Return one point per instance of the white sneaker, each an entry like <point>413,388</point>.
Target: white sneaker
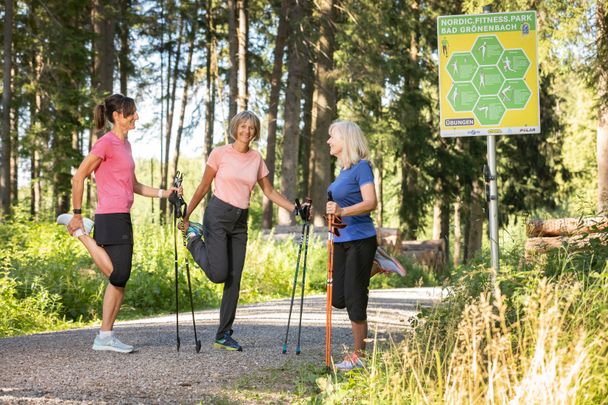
<point>349,363</point>
<point>387,263</point>
<point>111,344</point>
<point>64,219</point>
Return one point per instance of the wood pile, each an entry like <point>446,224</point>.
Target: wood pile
<point>430,253</point>
<point>574,234</point>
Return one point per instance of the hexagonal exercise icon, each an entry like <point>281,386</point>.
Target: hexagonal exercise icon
<point>461,66</point>
<point>514,64</point>
<point>462,96</point>
<point>489,110</point>
<point>487,80</point>
<point>514,94</point>
<point>487,50</point>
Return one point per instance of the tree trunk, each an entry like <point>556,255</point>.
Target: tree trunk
<point>185,95</point>
<point>233,47</point>
<point>172,75</point>
<point>296,66</point>
<point>35,107</point>
<point>124,62</point>
<point>103,20</point>
<point>275,92</point>
<point>324,109</point>
<point>457,251</point>
<point>243,38</point>
<point>14,154</point>
<point>476,219</point>
<point>602,128</point>
<point>5,162</point>
<point>212,73</point>
<point>305,145</point>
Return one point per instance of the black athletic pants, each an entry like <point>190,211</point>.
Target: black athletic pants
<point>221,254</point>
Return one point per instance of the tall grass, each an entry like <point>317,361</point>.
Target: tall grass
<point>541,340</point>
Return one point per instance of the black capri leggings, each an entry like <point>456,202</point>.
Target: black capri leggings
<point>114,233</point>
<point>352,268</point>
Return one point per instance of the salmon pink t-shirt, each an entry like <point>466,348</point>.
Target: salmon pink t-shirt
<point>114,176</point>
<point>236,174</point>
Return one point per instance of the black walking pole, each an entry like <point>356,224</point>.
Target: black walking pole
<point>179,208</point>
<point>175,208</point>
<point>307,233</point>
<point>295,280</point>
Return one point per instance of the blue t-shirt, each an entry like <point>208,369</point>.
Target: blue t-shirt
<point>346,191</point>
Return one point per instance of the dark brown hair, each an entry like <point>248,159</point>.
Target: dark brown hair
<point>116,102</point>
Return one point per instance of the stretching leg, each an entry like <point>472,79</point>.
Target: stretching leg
<point>98,254</point>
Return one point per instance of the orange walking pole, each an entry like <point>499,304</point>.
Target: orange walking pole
<point>330,270</point>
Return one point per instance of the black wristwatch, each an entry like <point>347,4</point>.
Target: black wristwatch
<point>77,211</point>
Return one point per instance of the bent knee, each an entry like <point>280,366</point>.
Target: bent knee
<point>119,279</point>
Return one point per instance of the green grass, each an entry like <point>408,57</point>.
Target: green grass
<point>49,282</point>
<point>542,339</point>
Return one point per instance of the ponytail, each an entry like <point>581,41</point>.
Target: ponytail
<point>100,116</point>
<point>116,102</point>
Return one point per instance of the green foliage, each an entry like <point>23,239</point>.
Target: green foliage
<point>49,280</point>
<point>552,316</point>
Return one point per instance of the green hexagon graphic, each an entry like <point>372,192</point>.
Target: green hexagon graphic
<point>514,94</point>
<point>487,80</point>
<point>461,66</point>
<point>489,110</point>
<point>514,64</point>
<point>462,96</point>
<point>487,50</point>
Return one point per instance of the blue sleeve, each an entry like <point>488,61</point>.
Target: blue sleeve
<point>365,174</point>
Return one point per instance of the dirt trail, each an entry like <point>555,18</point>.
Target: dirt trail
<point>61,367</point>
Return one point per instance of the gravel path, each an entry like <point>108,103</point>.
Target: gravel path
<point>61,367</point>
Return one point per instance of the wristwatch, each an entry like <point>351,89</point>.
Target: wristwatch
<point>77,211</point>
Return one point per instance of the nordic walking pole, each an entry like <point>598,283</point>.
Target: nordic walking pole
<point>175,209</point>
<point>179,207</point>
<point>196,340</point>
<point>295,280</point>
<point>307,233</point>
<point>330,280</point>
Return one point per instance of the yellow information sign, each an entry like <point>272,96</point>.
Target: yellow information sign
<point>488,74</point>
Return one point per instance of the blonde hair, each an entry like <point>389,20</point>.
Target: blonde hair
<point>355,145</point>
<point>244,116</point>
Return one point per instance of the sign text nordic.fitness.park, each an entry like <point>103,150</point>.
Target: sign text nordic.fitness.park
<point>488,74</point>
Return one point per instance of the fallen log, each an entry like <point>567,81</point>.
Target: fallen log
<point>432,244</point>
<point>565,226</point>
<point>431,258</point>
<point>543,245</point>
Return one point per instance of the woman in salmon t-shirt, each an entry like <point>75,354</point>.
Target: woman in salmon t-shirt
<point>112,246</point>
<point>220,243</point>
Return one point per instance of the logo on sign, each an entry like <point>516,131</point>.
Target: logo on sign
<point>494,131</point>
<point>525,29</point>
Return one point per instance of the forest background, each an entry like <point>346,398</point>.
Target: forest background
<point>191,65</point>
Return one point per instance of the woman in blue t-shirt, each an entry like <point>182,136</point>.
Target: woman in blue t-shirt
<point>356,249</point>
